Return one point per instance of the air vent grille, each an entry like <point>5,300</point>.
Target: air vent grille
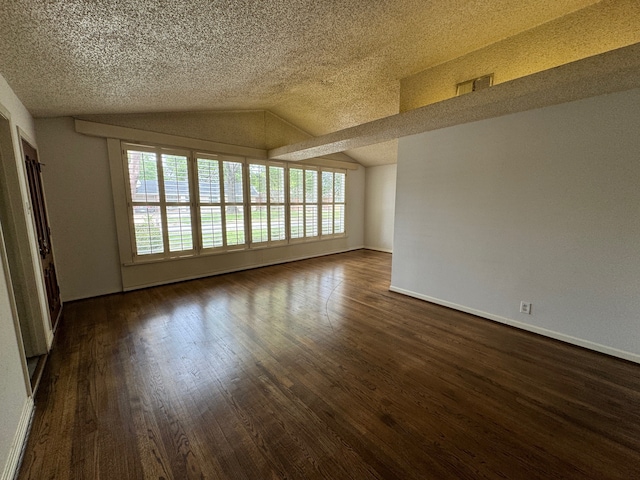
<point>474,84</point>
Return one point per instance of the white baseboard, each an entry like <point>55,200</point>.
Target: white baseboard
<point>19,441</point>
<point>614,352</point>
<point>378,249</point>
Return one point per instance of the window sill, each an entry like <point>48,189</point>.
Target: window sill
<point>228,251</point>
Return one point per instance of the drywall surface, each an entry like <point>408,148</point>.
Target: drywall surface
<point>380,202</point>
<point>356,181</point>
<point>541,206</point>
<point>598,28</point>
<point>80,205</point>
<point>384,153</point>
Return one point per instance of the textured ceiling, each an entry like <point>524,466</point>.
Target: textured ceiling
<point>322,65</point>
<point>609,72</point>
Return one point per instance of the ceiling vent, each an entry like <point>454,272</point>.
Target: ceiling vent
<point>474,85</point>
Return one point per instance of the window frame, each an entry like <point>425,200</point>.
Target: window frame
<point>333,203</point>
<point>223,203</point>
<point>304,204</point>
<point>269,203</point>
<point>195,205</point>
<point>319,203</point>
<point>161,203</point>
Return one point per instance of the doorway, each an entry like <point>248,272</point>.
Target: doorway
<point>33,324</point>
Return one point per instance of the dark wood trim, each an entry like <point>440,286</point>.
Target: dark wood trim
<point>43,232</point>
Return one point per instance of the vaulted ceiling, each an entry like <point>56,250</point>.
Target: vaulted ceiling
<point>322,65</point>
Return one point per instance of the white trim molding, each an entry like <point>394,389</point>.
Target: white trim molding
<point>614,352</point>
<point>378,249</point>
<point>19,441</point>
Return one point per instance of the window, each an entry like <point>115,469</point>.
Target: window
<point>177,202</point>
<point>317,202</point>
<point>159,197</point>
<point>267,200</point>
<point>233,203</point>
<point>303,198</point>
<point>221,205</point>
<point>183,203</point>
<point>333,193</point>
<point>277,198</point>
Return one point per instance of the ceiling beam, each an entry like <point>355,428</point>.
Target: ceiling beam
<point>609,72</point>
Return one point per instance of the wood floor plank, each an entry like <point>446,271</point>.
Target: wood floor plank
<point>315,370</point>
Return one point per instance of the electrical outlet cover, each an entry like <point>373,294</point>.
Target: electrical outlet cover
<point>525,307</point>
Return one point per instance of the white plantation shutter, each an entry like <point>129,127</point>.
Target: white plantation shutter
<point>327,203</point>
<point>267,197</point>
<point>296,202</point>
<point>160,206</point>
<point>333,203</point>
<point>311,203</point>
<point>183,203</point>
<point>259,200</point>
<point>177,199</point>
<point>339,196</point>
<point>277,198</point>
<point>234,202</point>
<point>209,191</point>
<point>144,205</point>
<point>221,202</point>
<point>303,200</point>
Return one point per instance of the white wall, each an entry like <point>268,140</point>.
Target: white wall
<point>541,206</point>
<point>356,182</point>
<point>80,205</point>
<point>15,403</point>
<point>380,202</point>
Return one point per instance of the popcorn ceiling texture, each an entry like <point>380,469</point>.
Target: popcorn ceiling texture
<point>596,29</point>
<point>609,72</point>
<point>322,65</point>
<point>383,153</point>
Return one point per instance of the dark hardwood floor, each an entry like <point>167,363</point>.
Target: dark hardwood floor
<point>315,370</point>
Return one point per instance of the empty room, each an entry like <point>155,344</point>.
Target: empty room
<point>319,240</point>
